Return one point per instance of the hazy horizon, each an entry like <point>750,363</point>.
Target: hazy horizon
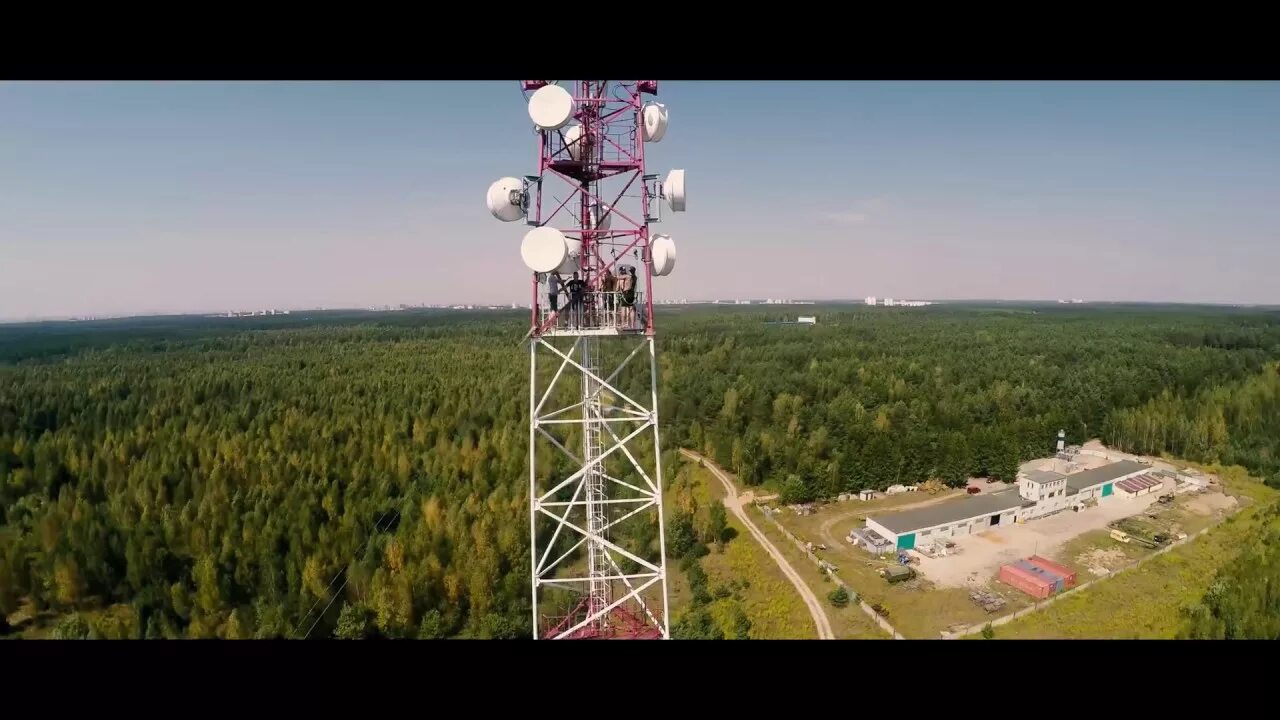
<point>173,198</point>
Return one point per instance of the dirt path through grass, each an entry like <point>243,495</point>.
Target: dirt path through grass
<point>732,502</point>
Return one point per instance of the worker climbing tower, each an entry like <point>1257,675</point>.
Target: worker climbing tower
<point>597,541</point>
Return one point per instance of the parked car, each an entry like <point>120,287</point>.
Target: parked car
<point>973,490</point>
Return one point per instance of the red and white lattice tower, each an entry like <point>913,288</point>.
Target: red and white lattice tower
<point>597,542</point>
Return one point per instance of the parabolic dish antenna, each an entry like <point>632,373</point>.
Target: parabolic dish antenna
<point>543,249</point>
<point>673,190</point>
<point>655,122</point>
<point>600,217</point>
<point>551,107</point>
<point>499,199</point>
<point>572,251</point>
<point>573,141</point>
<point>663,254</point>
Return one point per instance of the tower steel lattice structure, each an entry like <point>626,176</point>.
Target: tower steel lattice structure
<point>597,538</point>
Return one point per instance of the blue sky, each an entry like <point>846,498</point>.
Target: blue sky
<point>169,197</point>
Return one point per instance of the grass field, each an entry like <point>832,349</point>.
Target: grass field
<point>849,622</point>
<point>1097,549</point>
<point>757,585</point>
<point>1147,601</point>
<point>918,609</point>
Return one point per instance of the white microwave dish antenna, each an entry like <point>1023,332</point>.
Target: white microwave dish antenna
<point>544,249</point>
<point>662,251</point>
<point>572,253</point>
<point>655,122</point>
<point>505,199</point>
<point>573,141</point>
<point>601,217</point>
<point>673,190</point>
<point>551,107</point>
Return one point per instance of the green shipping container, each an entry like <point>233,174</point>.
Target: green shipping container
<point>907,542</point>
<point>1106,490</point>
<point>898,574</point>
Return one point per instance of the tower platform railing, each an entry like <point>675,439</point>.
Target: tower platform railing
<point>599,313</point>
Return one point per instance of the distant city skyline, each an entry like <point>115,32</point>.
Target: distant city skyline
<point>726,301</point>
<point>204,197</point>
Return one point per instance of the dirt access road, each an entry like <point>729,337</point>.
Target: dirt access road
<point>734,503</point>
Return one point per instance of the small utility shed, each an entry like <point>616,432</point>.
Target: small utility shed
<point>1100,482</point>
<point>949,519</point>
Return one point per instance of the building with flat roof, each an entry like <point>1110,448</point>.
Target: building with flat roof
<point>949,519</point>
<point>1141,484</point>
<point>1100,482</point>
<point>1039,492</point>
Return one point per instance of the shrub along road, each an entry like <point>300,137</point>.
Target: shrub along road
<point>734,504</point>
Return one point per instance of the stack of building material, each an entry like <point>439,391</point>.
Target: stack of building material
<point>987,601</point>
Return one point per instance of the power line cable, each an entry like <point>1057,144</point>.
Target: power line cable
<point>346,578</point>
<point>378,529</point>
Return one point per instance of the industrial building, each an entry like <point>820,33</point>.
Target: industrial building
<point>949,519</point>
<point>1100,482</point>
<point>1037,494</point>
<point>1143,484</point>
<point>1047,488</point>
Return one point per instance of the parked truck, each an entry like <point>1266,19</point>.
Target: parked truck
<point>897,573</point>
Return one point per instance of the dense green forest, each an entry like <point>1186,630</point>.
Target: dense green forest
<point>867,399</point>
<point>215,477</point>
<point>1243,601</point>
<point>1232,424</point>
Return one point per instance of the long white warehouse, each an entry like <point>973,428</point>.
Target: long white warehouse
<point>1039,493</point>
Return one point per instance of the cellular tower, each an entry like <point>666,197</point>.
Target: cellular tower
<point>597,543</point>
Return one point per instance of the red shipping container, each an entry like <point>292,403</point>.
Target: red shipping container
<point>1029,583</point>
<point>1068,575</point>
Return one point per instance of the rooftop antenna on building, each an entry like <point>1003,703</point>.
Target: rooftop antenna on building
<point>592,136</point>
